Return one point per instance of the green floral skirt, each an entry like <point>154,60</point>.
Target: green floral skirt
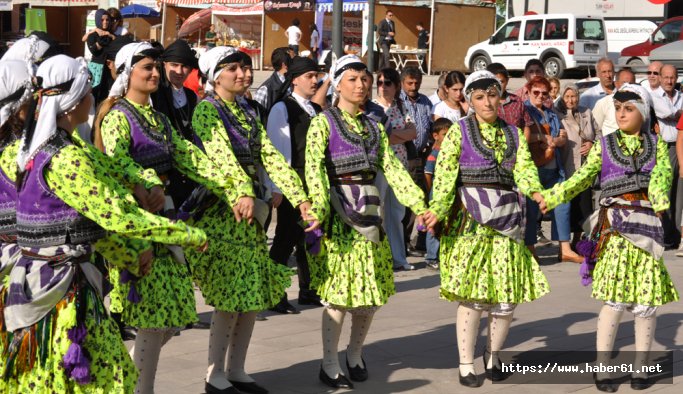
<point>478,264</point>
<point>236,273</point>
<point>350,271</point>
<point>625,273</point>
<point>167,295</point>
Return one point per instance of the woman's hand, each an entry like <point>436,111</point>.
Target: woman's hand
<point>585,148</point>
<point>156,199</point>
<point>145,261</point>
<point>429,220</point>
<point>244,209</point>
<point>540,201</point>
<point>277,199</point>
<point>203,248</point>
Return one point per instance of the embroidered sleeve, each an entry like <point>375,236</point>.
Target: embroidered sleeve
<point>82,184</point>
<point>661,178</point>
<point>446,174</point>
<point>316,172</point>
<point>208,126</point>
<point>580,181</point>
<point>526,172</point>
<point>398,178</point>
<point>280,172</point>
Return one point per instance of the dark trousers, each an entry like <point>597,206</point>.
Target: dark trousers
<point>289,234</point>
<point>295,48</point>
<point>385,60</point>
<point>671,220</point>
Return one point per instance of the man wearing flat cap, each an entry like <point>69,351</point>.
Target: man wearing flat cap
<point>287,127</point>
<point>178,103</point>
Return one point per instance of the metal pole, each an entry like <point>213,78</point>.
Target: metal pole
<point>163,24</point>
<point>263,32</point>
<point>431,38</point>
<point>337,26</point>
<point>371,35</point>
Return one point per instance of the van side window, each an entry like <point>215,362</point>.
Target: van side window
<point>589,29</point>
<point>669,33</point>
<point>533,30</point>
<point>556,29</point>
<point>509,32</point>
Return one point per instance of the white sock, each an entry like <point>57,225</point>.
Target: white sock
<point>222,326</point>
<point>238,347</point>
<point>466,328</point>
<point>608,323</point>
<point>645,334</point>
<point>145,355</point>
<point>360,325</point>
<point>499,326</point>
<point>332,326</point>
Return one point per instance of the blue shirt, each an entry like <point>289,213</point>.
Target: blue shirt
<point>421,112</point>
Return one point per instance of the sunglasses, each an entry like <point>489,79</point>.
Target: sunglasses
<point>537,93</point>
<point>385,83</point>
<point>653,73</point>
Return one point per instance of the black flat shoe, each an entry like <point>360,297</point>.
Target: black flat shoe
<point>494,374</point>
<point>128,334</point>
<point>469,381</point>
<point>341,382</point>
<point>640,383</point>
<point>285,308</point>
<point>309,300</point>
<point>249,387</point>
<point>606,385</point>
<point>357,373</point>
<point>211,389</point>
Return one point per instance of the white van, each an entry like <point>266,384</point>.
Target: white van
<point>560,41</point>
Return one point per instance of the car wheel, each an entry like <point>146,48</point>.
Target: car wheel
<point>636,62</point>
<point>479,63</point>
<point>554,67</point>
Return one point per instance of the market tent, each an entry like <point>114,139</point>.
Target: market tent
<point>139,11</point>
<point>201,20</point>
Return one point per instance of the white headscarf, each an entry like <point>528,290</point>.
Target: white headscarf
<point>642,103</point>
<point>210,59</point>
<point>344,63</point>
<point>480,80</point>
<point>30,50</point>
<point>125,58</point>
<point>55,71</point>
<point>14,76</point>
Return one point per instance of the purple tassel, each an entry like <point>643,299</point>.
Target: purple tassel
<point>81,373</point>
<point>133,295</point>
<point>77,334</point>
<point>126,276</point>
<point>73,356</point>
<point>586,247</point>
<point>421,228</point>
<point>586,272</point>
<point>313,241</point>
<point>77,364</point>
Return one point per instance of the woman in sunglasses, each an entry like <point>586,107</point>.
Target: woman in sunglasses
<point>128,127</point>
<point>483,168</point>
<point>545,137</point>
<point>400,129</point>
<point>623,255</point>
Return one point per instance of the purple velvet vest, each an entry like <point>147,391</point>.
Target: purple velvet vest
<point>8,198</point>
<point>246,144</point>
<point>478,162</point>
<point>150,148</point>
<point>348,152</point>
<point>43,219</point>
<point>624,174</point>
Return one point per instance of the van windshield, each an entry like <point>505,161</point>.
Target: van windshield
<point>589,29</point>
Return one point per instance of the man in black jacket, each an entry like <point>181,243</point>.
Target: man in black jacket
<point>387,37</point>
<point>266,93</point>
<point>288,123</point>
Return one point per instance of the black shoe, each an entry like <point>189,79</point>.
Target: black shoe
<point>128,334</point>
<point>309,299</point>
<point>413,252</point>
<point>494,374</point>
<point>606,385</point>
<point>640,383</point>
<point>210,389</point>
<point>284,307</point>
<point>249,387</point>
<point>341,382</point>
<point>200,325</point>
<point>358,373</point>
<point>469,381</point>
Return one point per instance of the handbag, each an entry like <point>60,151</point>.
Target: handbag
<point>541,154</point>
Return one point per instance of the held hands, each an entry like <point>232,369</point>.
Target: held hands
<point>540,201</point>
<point>549,142</point>
<point>585,148</point>
<point>203,248</point>
<point>305,208</point>
<point>277,199</point>
<point>150,200</point>
<point>429,220</point>
<point>145,261</point>
<point>244,209</point>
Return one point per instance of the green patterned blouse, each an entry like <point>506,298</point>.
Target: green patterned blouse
<point>8,159</point>
<point>318,181</point>
<point>660,179</point>
<point>447,166</point>
<point>209,127</point>
<point>187,158</point>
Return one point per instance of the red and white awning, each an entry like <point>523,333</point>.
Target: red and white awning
<point>202,2</point>
<point>60,3</point>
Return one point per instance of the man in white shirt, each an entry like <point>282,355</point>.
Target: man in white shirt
<point>653,70</point>
<point>668,105</point>
<point>287,127</point>
<point>293,34</point>
<point>604,112</point>
<point>440,93</point>
<point>605,71</point>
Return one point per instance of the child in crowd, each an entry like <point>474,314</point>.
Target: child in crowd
<point>439,129</point>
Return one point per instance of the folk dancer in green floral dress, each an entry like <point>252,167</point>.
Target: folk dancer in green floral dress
<point>59,336</point>
<point>623,255</point>
<point>162,302</point>
<point>483,171</point>
<point>236,276</point>
<point>352,268</point>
